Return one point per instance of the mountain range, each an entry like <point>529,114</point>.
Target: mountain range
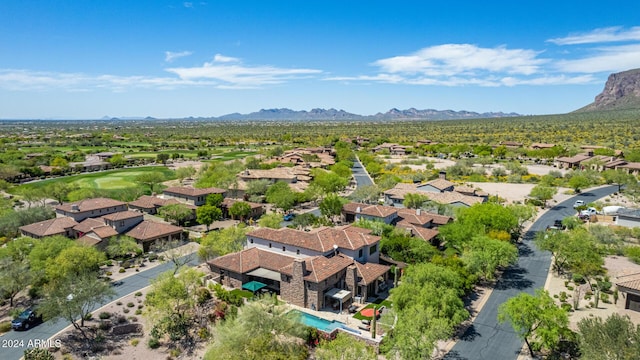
<point>621,92</point>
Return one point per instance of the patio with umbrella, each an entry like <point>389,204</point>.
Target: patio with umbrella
<point>368,312</point>
<point>253,286</point>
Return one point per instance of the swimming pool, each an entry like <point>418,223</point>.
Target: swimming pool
<point>316,322</point>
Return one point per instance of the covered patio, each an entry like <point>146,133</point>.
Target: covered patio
<point>338,294</point>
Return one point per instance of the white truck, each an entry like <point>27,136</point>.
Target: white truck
<point>586,214</point>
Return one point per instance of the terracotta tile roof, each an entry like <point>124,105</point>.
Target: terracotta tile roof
<point>150,230</point>
<point>148,202</point>
<point>369,272</point>
<point>417,231</point>
<point>574,159</point>
<point>401,189</point>
<point>90,204</point>
<point>123,215</point>
<point>440,184</point>
<point>228,202</point>
<point>631,166</point>
<point>380,211</point>
<point>320,268</point>
<point>104,232</point>
<point>250,259</point>
<point>89,224</point>
<point>193,192</point>
<point>275,173</point>
<point>411,216</point>
<point>441,219</point>
<point>542,146</point>
<point>631,281</point>
<point>320,240</point>
<point>50,227</point>
<point>451,197</point>
<point>88,240</point>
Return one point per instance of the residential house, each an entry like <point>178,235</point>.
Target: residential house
<point>628,217</point>
<point>57,226</point>
<point>629,286</point>
<point>123,221</point>
<point>356,211</point>
<point>189,195</point>
<point>540,146</point>
<point>150,204</point>
<point>89,208</point>
<point>149,232</point>
<point>439,190</point>
<point>511,144</point>
<point>256,209</point>
<point>572,162</point>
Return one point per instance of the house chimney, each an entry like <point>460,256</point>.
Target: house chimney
<point>298,287</point>
<point>75,207</point>
<point>351,279</point>
<point>358,210</point>
<point>442,175</point>
<point>418,211</point>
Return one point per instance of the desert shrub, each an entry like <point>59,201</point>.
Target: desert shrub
<point>121,270</point>
<point>125,310</point>
<point>633,253</point>
<point>566,307</point>
<point>108,273</point>
<point>578,279</point>
<point>604,297</point>
<point>104,325</point>
<point>5,326</point>
<point>153,343</point>
<point>104,315</point>
<point>139,293</point>
<point>138,312</point>
<point>38,354</point>
<point>119,303</point>
<point>130,304</point>
<point>135,342</point>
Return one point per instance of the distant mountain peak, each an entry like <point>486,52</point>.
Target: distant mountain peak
<point>621,91</point>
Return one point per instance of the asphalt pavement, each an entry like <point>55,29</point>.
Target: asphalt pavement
<point>14,343</point>
<point>486,339</point>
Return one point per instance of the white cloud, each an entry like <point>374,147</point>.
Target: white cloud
<point>187,4</point>
<point>601,35</point>
<point>224,59</point>
<point>169,56</point>
<point>604,59</point>
<point>231,73</point>
<point>452,59</point>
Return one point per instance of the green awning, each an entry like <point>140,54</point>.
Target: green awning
<point>253,286</point>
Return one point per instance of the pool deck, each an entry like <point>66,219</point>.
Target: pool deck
<point>344,317</point>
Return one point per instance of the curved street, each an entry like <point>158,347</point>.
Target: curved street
<point>486,339</point>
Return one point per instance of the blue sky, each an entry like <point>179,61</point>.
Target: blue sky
<point>163,58</point>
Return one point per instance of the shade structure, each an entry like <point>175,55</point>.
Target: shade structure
<point>253,286</point>
<point>368,312</point>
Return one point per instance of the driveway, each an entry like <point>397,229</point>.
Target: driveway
<point>486,339</point>
<point>14,343</point>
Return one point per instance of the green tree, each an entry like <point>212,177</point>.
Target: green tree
<point>417,332</point>
<point>118,160</point>
<point>579,182</point>
<point>223,242</point>
<point>329,181</point>
<point>74,297</point>
<point>281,196</point>
<point>303,220</point>
<point>15,276</point>
<point>45,250</point>
<point>271,220</point>
<point>185,172</point>
<point>618,177</point>
<point>614,338</point>
<point>343,347</point>
<point>177,213</point>
<point>240,209</point>
<point>484,255</point>
<point>122,246</point>
<point>150,179</point>
<point>367,194</point>
<point>162,158</point>
<point>59,190</point>
<point>172,303</point>
<point>257,187</point>
<point>215,200</point>
<point>207,214</point>
<point>536,319</point>
<point>331,205</point>
<point>74,261</point>
<point>543,193</point>
<point>414,201</point>
<point>274,334</point>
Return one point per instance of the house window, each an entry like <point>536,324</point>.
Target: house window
<point>269,245</point>
<point>284,248</point>
<point>360,253</point>
<point>298,252</point>
<point>373,249</point>
<point>251,240</point>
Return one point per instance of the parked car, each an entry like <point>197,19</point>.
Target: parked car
<point>289,216</point>
<point>26,320</point>
<point>578,203</point>
<point>557,225</point>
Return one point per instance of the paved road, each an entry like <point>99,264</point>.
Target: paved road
<point>486,339</point>
<point>14,343</point>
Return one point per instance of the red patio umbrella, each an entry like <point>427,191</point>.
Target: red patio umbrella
<point>368,312</point>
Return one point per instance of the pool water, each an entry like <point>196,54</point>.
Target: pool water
<point>316,322</point>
